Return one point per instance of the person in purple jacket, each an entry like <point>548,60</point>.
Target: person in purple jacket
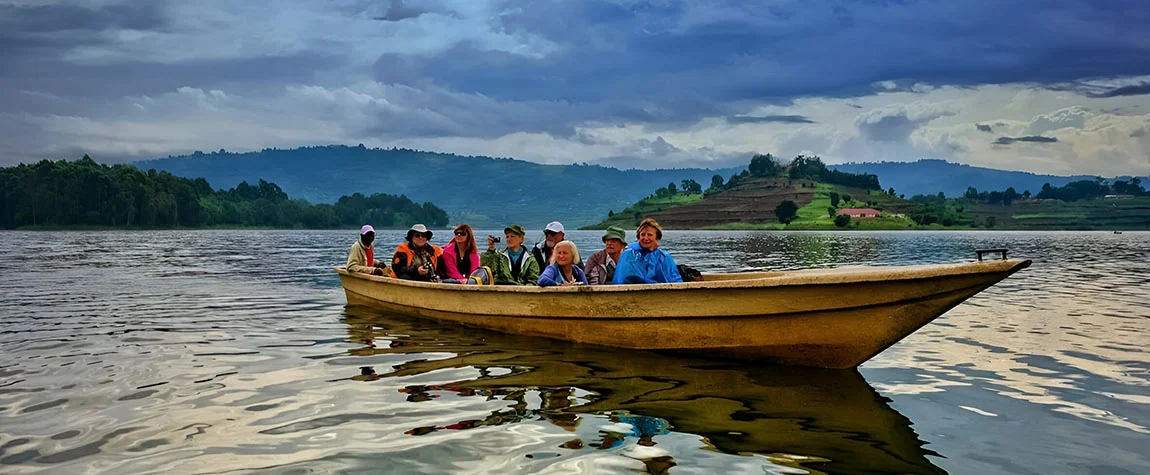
<point>563,270</point>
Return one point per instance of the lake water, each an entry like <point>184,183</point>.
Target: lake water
<point>232,351</point>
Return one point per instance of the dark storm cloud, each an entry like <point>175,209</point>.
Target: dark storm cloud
<point>1135,90</point>
<point>984,128</point>
<point>398,10</point>
<point>786,119</point>
<point>1028,138</point>
<point>611,51</point>
<point>564,65</point>
<point>48,30</point>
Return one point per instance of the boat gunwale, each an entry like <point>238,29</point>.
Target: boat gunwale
<point>835,275</point>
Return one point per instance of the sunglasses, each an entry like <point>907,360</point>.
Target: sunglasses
<point>422,235</point>
<point>461,233</point>
<point>549,233</point>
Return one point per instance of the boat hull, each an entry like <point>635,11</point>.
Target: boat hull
<point>831,318</point>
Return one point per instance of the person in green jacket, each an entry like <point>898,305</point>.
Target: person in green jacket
<point>514,264</point>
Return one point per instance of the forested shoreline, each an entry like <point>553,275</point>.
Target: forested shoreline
<point>84,193</point>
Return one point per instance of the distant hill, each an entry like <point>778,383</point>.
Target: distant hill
<point>483,191</point>
<point>930,176</point>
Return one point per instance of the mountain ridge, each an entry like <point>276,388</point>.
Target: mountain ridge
<point>482,191</point>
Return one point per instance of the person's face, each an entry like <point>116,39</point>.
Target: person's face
<point>513,240</point>
<point>613,246</point>
<point>563,256</point>
<point>367,238</point>
<point>419,239</point>
<point>552,238</point>
<point>647,238</point>
<point>461,236</point>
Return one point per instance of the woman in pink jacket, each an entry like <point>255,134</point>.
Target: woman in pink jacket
<point>460,256</point>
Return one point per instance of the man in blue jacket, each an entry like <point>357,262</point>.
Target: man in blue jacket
<point>643,262</point>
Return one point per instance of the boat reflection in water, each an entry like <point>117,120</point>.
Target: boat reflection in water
<point>822,420</point>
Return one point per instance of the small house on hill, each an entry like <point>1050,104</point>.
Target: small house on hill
<point>860,212</point>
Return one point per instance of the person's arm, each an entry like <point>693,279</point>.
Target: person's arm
<point>670,269</point>
<point>441,269</point>
<point>548,277</point>
<point>449,269</point>
<point>580,275</point>
<point>623,268</point>
<point>529,273</point>
<point>596,273</point>
<point>401,268</point>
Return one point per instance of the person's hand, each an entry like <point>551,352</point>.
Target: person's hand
<point>490,243</point>
<point>423,270</point>
<point>377,271</point>
<point>568,284</point>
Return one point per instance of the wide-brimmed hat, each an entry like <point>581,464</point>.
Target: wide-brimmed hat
<point>615,232</point>
<point>515,228</point>
<point>554,226</point>
<point>366,229</point>
<point>419,228</point>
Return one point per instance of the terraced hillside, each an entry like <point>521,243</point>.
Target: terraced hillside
<point>753,201</point>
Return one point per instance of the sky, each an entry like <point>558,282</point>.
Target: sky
<point>1046,87</point>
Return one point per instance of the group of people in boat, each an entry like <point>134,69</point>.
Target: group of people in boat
<point>554,261</point>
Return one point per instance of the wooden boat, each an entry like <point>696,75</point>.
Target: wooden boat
<point>831,318</point>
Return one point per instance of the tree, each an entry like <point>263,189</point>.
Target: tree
<point>831,212</point>
<point>842,220</point>
<point>1026,195</point>
<point>691,186</point>
<point>1009,196</point>
<point>671,190</point>
<point>611,213</point>
<point>991,221</point>
<point>786,211</point>
<point>847,199</point>
<point>835,199</point>
<point>763,165</point>
<point>971,193</point>
<point>890,191</point>
<point>717,182</point>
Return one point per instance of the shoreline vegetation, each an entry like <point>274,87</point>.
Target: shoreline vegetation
<point>804,195</point>
<point>83,194</point>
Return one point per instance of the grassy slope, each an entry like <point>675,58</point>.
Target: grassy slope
<point>814,216</point>
<point>630,217</point>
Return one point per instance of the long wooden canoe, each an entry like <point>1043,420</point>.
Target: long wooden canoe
<point>831,318</point>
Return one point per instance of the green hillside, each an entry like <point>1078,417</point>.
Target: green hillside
<point>750,201</point>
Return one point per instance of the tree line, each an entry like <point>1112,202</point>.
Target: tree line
<point>808,167</point>
<point>86,193</point>
<point>1073,191</point>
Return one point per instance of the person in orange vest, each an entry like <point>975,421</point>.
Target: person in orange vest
<point>418,259</point>
<point>361,257</point>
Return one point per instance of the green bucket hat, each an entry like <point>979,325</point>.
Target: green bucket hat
<point>515,228</point>
<point>615,232</point>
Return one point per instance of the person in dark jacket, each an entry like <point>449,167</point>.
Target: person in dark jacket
<point>418,259</point>
<point>643,262</point>
<point>601,265</point>
<point>552,234</point>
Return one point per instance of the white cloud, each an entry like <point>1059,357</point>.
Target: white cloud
<point>1103,136</point>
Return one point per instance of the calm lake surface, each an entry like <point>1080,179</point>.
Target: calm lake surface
<point>232,351</point>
